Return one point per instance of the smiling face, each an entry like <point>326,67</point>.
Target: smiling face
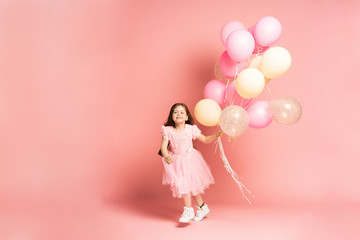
<point>179,115</point>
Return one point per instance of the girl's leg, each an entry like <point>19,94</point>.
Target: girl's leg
<point>188,213</point>
<point>187,200</point>
<point>198,199</point>
<point>202,208</point>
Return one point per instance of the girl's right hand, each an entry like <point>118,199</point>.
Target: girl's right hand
<point>168,159</point>
<point>219,133</point>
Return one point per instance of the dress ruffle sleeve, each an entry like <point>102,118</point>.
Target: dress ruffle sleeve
<point>165,132</point>
<point>195,132</point>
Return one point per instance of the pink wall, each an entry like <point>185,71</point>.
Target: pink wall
<point>86,85</point>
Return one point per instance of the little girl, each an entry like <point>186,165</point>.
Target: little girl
<point>185,170</point>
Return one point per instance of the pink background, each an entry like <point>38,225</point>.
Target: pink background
<point>86,85</point>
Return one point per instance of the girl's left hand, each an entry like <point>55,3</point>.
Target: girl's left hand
<point>219,133</point>
<point>168,159</point>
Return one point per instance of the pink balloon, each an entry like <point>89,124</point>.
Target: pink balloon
<point>228,66</point>
<point>240,45</point>
<point>259,114</point>
<point>257,49</point>
<point>233,98</point>
<point>228,28</point>
<point>215,90</point>
<point>267,31</point>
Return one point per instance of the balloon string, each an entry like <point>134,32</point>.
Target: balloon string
<point>226,93</point>
<point>252,107</point>
<point>231,171</point>
<point>248,100</point>
<point>237,70</point>
<point>247,63</point>
<point>269,91</point>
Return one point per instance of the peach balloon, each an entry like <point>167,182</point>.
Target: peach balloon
<point>207,112</point>
<point>254,62</point>
<point>218,74</point>
<point>275,62</point>
<point>250,83</point>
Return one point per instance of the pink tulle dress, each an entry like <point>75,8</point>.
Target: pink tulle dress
<point>189,173</point>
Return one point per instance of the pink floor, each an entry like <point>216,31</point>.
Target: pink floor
<point>231,222</point>
<point>150,220</point>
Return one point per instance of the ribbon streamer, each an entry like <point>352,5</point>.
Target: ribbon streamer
<point>233,174</point>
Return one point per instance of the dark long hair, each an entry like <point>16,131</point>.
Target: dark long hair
<point>170,121</point>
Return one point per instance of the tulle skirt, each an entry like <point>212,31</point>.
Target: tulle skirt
<point>188,174</point>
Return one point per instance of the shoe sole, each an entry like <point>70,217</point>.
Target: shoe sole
<point>202,217</point>
<point>185,221</point>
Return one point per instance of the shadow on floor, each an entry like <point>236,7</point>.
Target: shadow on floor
<point>152,200</point>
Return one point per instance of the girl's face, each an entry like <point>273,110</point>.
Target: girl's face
<point>179,115</point>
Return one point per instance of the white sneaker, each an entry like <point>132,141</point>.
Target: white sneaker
<point>187,215</point>
<point>201,212</point>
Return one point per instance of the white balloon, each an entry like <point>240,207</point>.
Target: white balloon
<point>234,121</point>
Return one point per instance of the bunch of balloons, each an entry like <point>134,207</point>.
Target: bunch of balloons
<point>244,68</point>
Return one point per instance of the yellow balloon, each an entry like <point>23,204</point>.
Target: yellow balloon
<point>275,62</point>
<point>250,83</point>
<point>207,112</point>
